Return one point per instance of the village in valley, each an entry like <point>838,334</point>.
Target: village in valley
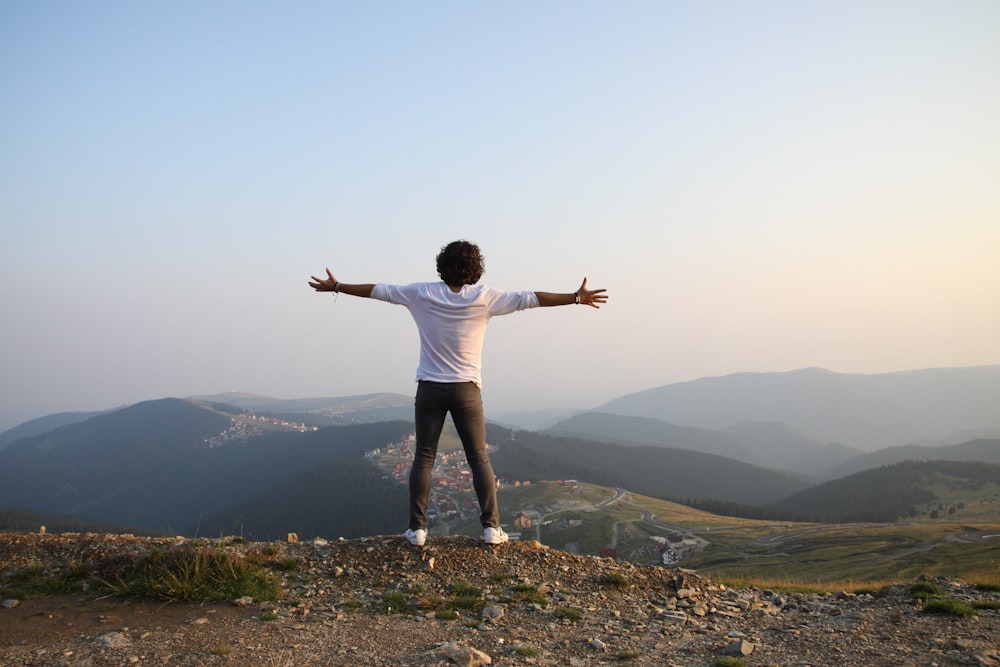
<point>452,504</point>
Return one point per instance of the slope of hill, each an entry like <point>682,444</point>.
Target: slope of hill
<point>772,445</point>
<point>346,498</point>
<point>987,451</point>
<point>608,427</point>
<point>891,492</point>
<point>863,411</point>
<point>654,471</point>
<point>43,425</point>
<point>151,465</point>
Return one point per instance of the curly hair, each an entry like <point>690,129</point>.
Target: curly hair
<point>460,263</point>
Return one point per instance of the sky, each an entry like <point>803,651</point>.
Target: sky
<point>760,186</point>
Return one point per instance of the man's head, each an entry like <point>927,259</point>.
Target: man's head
<point>460,263</point>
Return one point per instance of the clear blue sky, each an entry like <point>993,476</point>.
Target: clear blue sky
<point>761,186</point>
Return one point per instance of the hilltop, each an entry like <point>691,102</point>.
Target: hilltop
<point>379,601</point>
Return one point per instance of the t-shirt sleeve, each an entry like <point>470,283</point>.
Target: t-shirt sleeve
<point>397,294</point>
<point>510,302</point>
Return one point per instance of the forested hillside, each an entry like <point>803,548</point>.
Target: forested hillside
<point>888,493</point>
<point>655,471</point>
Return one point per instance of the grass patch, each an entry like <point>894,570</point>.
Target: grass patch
<point>625,656</point>
<point>287,564</point>
<point>526,651</point>
<point>465,596</point>
<point>826,553</point>
<point>468,602</point>
<point>986,604</point>
<point>269,615</point>
<point>526,593</point>
<point>729,662</point>
<point>948,607</point>
<point>570,614</point>
<point>615,579</point>
<point>925,590</point>
<point>393,602</point>
<point>33,581</point>
<point>191,574</point>
<point>463,589</point>
<point>446,614</point>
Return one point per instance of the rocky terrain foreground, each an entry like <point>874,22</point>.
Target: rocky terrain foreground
<point>379,601</point>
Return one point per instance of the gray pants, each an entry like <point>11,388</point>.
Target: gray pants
<point>465,403</point>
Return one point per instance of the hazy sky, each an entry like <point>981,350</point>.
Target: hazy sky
<point>761,186</point>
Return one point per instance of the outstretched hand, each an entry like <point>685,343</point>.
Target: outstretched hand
<point>592,297</point>
<point>328,284</point>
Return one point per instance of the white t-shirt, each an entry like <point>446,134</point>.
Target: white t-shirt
<point>452,324</point>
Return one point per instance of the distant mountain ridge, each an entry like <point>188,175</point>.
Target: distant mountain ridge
<point>43,425</point>
<point>773,446</point>
<point>363,408</point>
<point>150,465</point>
<point>866,412</point>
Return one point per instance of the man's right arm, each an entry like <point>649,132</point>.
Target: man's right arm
<point>331,284</point>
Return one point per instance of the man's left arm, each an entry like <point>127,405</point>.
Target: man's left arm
<point>588,297</point>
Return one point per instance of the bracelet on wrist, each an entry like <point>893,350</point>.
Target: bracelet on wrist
<point>576,297</point>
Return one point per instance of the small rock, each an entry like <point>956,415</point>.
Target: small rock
<point>244,601</point>
<point>112,640</point>
<point>10,604</point>
<point>740,647</point>
<point>493,612</point>
<point>598,645</point>
<point>465,656</point>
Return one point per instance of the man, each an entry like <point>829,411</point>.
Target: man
<point>451,317</point>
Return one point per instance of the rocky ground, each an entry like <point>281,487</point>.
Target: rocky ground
<point>380,601</point>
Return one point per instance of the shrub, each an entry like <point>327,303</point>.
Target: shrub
<point>465,602</point>
<point>925,590</point>
<point>570,614</point>
<point>393,602</point>
<point>526,651</point>
<point>527,593</point>
<point>33,581</point>
<point>191,574</point>
<point>616,579</point>
<point>948,607</point>
<point>462,589</point>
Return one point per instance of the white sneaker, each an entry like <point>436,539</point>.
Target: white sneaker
<point>416,537</point>
<point>494,536</point>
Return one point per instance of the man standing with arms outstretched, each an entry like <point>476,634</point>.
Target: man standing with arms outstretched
<point>451,317</point>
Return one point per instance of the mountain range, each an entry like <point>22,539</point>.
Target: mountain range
<point>866,412</point>
<point>184,465</point>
